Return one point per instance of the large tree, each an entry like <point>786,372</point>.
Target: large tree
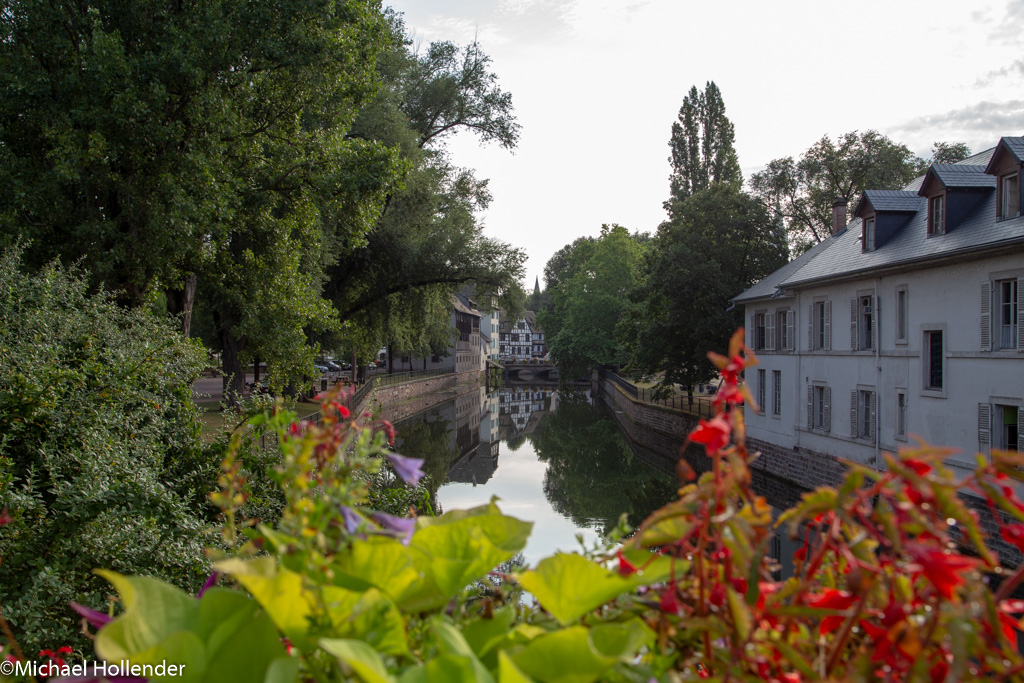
<point>803,191</point>
<point>702,146</point>
<point>721,242</point>
<point>167,142</point>
<point>588,304</point>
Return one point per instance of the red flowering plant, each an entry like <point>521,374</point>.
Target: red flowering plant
<point>883,590</point>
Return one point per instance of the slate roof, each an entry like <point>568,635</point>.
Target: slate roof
<point>841,257</point>
<point>891,200</point>
<point>1016,147</point>
<point>962,175</point>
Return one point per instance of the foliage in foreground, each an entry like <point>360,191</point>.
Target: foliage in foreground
<point>340,592</point>
<point>100,460</point>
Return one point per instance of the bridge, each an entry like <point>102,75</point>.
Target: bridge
<point>529,372</point>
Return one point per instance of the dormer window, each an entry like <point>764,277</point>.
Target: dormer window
<point>869,234</point>
<point>1009,186</point>
<point>937,215</point>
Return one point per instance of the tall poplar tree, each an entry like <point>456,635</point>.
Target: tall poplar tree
<point>702,146</point>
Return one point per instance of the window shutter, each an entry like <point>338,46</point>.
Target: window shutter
<point>752,343</point>
<point>873,415</point>
<point>810,407</point>
<point>791,329</point>
<point>853,324</point>
<point>986,316</point>
<point>769,331</point>
<point>854,432</point>
<point>1020,421</point>
<point>810,327</point>
<point>874,320</point>
<point>828,325</point>
<point>828,409</point>
<point>984,427</point>
<point>1020,322</point>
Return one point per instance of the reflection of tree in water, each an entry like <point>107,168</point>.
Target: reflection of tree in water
<point>432,442</point>
<point>515,443</point>
<point>592,475</point>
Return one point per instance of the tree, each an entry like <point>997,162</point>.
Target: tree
<point>167,143</point>
<point>100,460</point>
<point>702,146</point>
<point>803,192</point>
<point>721,242</point>
<point>588,305</point>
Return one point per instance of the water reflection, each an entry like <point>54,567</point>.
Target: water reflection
<point>554,459</point>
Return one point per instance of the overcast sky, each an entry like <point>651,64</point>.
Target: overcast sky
<point>596,85</point>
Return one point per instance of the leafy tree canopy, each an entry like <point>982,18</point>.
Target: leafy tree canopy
<point>702,146</point>
<point>721,242</point>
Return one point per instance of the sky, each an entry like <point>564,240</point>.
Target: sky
<point>597,84</point>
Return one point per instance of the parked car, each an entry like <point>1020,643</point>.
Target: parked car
<point>333,367</point>
<point>320,368</point>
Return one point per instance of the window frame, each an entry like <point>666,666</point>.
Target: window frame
<point>819,324</point>
<point>902,309</point>
<point>928,387</point>
<point>761,389</point>
<point>870,234</point>
<point>1005,196</point>
<point>819,407</point>
<point>863,411</point>
<point>902,402</point>
<point>1002,308</point>
<point>937,217</point>
<point>777,393</point>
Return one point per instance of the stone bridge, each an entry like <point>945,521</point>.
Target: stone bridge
<point>528,372</point>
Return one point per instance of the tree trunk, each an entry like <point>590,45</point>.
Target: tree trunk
<point>179,302</point>
<point>391,359</point>
<point>234,372</point>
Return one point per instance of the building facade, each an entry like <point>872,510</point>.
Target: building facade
<point>906,322</point>
<point>522,339</point>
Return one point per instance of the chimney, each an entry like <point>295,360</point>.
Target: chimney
<point>838,215</point>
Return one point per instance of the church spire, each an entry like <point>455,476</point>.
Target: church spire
<point>536,286</point>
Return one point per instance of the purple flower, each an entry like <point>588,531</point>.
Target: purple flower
<point>401,526</point>
<point>210,583</point>
<point>96,619</point>
<point>352,519</point>
<point>407,468</point>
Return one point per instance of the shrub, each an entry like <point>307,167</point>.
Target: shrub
<point>340,592</point>
<point>99,458</point>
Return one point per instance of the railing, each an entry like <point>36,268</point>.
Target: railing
<point>698,406</point>
<point>387,380</point>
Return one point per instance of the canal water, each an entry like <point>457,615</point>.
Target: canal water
<point>558,459</point>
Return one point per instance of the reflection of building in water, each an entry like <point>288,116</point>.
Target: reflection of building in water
<point>476,436</point>
<point>521,409</point>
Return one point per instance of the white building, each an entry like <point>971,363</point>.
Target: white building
<point>907,321</point>
<point>522,339</point>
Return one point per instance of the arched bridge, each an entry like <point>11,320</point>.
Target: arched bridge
<point>528,372</point>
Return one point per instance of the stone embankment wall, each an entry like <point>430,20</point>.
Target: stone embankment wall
<point>401,401</point>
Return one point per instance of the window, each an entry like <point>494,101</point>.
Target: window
<point>1009,205</point>
<point>937,215</point>
<point>901,314</point>
<point>819,334</point>
<point>1006,307</point>
<point>776,392</point>
<point>933,359</point>
<point>760,389</point>
<point>759,331</point>
<point>869,234</point>
<point>819,409</point>
<point>787,320</point>
<point>862,414</point>
<point>862,328</point>
<point>901,415</point>
<point>998,426</point>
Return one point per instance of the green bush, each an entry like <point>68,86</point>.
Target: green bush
<point>100,458</point>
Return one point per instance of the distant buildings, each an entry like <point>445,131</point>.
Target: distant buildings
<point>906,321</point>
<point>521,339</point>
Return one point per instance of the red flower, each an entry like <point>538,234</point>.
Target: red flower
<point>669,601</point>
<point>831,599</point>
<point>945,571</point>
<point>714,434</point>
<point>626,567</point>
<point>1014,533</point>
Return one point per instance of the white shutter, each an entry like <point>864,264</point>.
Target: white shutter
<point>752,343</point>
<point>854,432</point>
<point>828,325</point>
<point>853,324</point>
<point>875,316</point>
<point>986,316</point>
<point>984,427</point>
<point>873,421</point>
<point>1020,421</point>
<point>810,327</point>
<point>769,331</point>
<point>791,329</point>
<point>828,409</point>
<point>810,407</point>
<point>1020,324</point>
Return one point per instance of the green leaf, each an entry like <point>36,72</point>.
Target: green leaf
<point>741,617</point>
<point>368,616</point>
<point>579,655</point>
<point>279,591</point>
<point>451,642</point>
<point>667,524</point>
<point>569,585</point>
<point>483,635</point>
<point>508,672</point>
<point>362,658</point>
